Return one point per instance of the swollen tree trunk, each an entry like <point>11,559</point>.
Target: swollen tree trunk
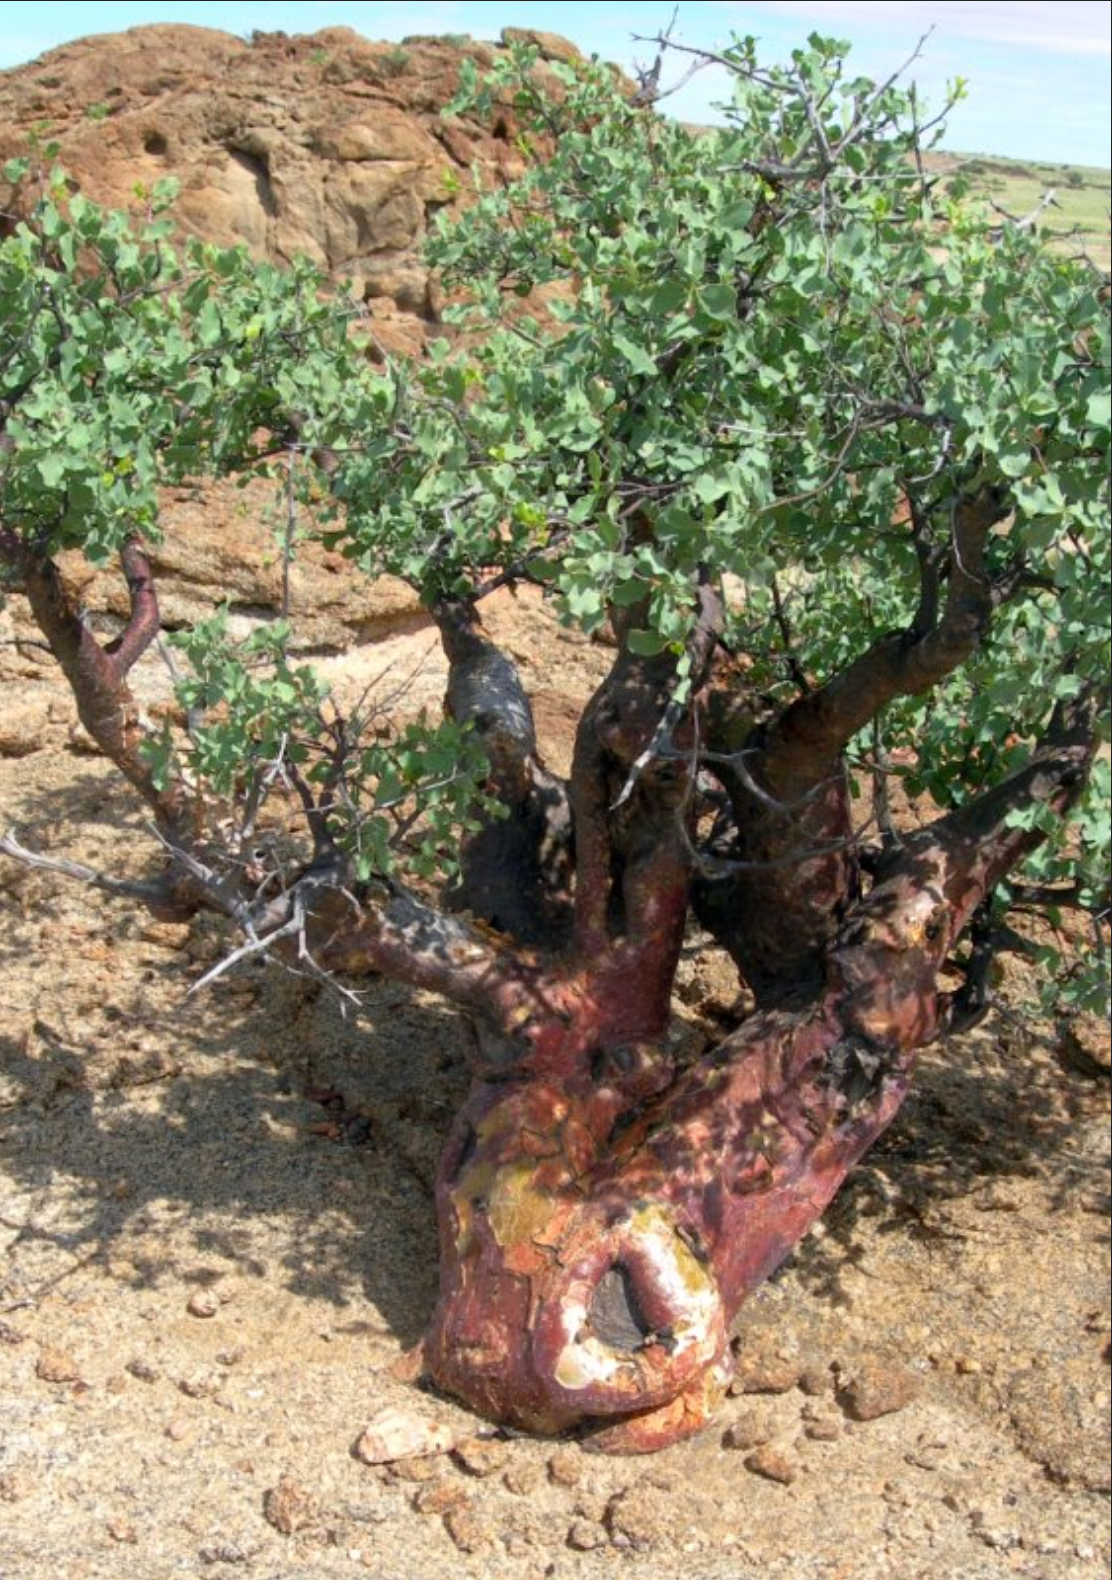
<point>601,1221</point>
<point>602,1215</point>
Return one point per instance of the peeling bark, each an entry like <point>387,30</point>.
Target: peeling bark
<point>597,1237</point>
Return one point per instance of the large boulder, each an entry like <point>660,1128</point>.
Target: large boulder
<point>322,144</point>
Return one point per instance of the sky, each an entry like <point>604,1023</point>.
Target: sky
<point>1038,73</point>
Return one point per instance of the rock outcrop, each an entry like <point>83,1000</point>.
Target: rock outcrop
<point>326,145</point>
<point>322,144</point>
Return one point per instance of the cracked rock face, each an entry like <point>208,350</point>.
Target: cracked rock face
<point>320,144</point>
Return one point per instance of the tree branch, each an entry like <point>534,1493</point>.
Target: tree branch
<point>96,675</point>
<point>144,624</point>
<point>157,895</point>
<point>800,748</point>
<point>515,870</point>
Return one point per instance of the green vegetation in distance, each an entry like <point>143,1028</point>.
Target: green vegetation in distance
<point>1082,194</point>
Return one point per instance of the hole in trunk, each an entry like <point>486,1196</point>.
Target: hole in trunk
<point>615,1315</point>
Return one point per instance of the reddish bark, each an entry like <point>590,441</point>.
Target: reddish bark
<point>791,871</point>
<point>97,674</point>
<point>599,1228</point>
<point>602,1216</point>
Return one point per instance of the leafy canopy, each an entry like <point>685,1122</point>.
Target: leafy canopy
<point>771,355</point>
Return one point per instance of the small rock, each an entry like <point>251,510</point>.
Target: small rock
<point>122,1531</point>
<point>415,1470</point>
<point>440,1497</point>
<point>10,1335</point>
<point>636,1518</point>
<point>396,1434</point>
<point>290,1508</point>
<point>565,1467</point>
<point>15,1485</point>
<point>773,1464</point>
<point>879,1388</point>
<point>178,1430</point>
<point>523,1479</point>
<point>584,1536</point>
<point>999,1540</point>
<point>929,1453</point>
<point>764,1364</point>
<point>201,1385</point>
<point>467,1530</point>
<point>814,1380</point>
<point>203,1303</point>
<point>56,1365</point>
<point>481,1456</point>
<point>226,1553</point>
<point>143,1369</point>
<point>750,1429</point>
<point>591,1506</point>
<point>823,1430</point>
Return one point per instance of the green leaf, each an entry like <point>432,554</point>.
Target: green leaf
<point>638,358</point>
<point>719,301</point>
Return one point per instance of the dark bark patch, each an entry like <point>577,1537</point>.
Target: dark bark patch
<point>615,1315</point>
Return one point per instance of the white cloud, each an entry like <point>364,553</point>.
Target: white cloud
<point>1071,27</point>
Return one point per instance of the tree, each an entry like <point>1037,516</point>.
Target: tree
<point>822,452</point>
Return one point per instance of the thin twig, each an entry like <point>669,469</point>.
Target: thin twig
<point>152,893</point>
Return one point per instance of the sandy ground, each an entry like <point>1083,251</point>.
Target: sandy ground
<point>216,1233</point>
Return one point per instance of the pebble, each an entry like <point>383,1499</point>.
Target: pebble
<point>14,1486</point>
<point>178,1430</point>
<point>396,1434</point>
<point>56,1365</point>
<point>143,1369</point>
<point>637,1518</point>
<point>773,1464</point>
<point>565,1467</point>
<point>764,1365</point>
<point>203,1303</point>
<point>415,1470</point>
<point>823,1430</point>
<point>522,1480</point>
<point>467,1530</point>
<point>225,1553</point>
<point>482,1456</point>
<point>749,1430</point>
<point>584,1536</point>
<point>440,1497</point>
<point>591,1506</point>
<point>122,1531</point>
<point>929,1454</point>
<point>289,1507</point>
<point>879,1388</point>
<point>201,1385</point>
<point>814,1380</point>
